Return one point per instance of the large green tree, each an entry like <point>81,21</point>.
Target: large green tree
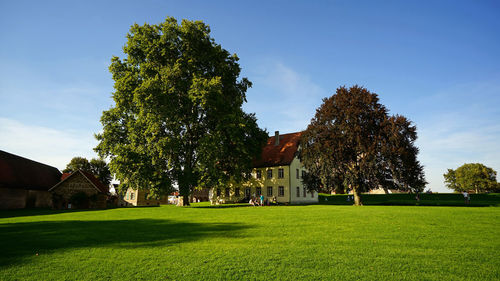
<point>352,142</point>
<point>98,167</point>
<point>77,163</point>
<point>178,119</point>
<point>472,176</point>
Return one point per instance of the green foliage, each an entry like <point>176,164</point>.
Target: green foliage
<point>79,200</point>
<point>77,163</point>
<point>318,242</point>
<point>352,142</point>
<point>178,118</point>
<point>473,176</point>
<point>98,167</point>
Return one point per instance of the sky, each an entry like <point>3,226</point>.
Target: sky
<point>435,62</point>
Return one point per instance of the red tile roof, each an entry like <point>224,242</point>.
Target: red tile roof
<point>65,175</point>
<point>281,154</point>
<point>96,182</point>
<point>22,173</point>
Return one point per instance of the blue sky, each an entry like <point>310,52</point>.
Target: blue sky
<point>435,62</point>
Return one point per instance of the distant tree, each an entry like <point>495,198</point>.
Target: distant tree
<point>100,169</point>
<point>352,142</point>
<point>178,119</point>
<point>77,163</point>
<point>97,167</point>
<point>496,189</point>
<point>473,176</point>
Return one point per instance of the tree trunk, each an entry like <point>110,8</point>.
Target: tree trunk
<point>185,200</point>
<point>357,197</point>
<point>184,196</point>
<point>185,183</point>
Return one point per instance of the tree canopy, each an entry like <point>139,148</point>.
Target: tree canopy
<point>77,163</point>
<point>98,167</point>
<point>352,142</point>
<point>472,176</point>
<point>178,119</point>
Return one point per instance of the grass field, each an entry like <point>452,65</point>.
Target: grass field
<point>317,242</point>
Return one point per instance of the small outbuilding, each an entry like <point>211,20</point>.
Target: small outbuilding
<point>24,183</point>
<point>80,190</point>
<point>140,197</point>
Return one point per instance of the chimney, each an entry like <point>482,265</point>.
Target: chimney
<point>276,138</point>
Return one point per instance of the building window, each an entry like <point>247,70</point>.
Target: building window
<point>258,174</point>
<point>281,173</point>
<point>297,173</point>
<point>305,194</point>
<point>269,191</point>
<point>258,190</point>
<point>303,173</point>
<point>146,196</point>
<point>227,192</point>
<point>247,192</point>
<point>312,194</point>
<point>298,191</point>
<point>132,196</point>
<point>270,174</point>
<point>127,195</point>
<point>218,191</point>
<point>237,192</point>
<point>281,191</point>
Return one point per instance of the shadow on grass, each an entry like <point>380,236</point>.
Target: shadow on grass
<point>21,240</point>
<point>39,212</point>
<point>46,211</point>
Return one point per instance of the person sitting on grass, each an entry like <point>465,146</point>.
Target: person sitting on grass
<point>256,201</point>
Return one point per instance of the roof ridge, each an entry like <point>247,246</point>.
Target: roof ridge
<point>299,132</point>
<point>85,175</point>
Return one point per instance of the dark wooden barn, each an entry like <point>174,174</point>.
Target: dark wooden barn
<point>24,183</point>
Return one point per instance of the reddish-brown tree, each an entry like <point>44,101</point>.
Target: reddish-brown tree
<point>353,143</point>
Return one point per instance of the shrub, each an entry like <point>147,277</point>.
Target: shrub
<point>80,200</point>
<point>434,199</point>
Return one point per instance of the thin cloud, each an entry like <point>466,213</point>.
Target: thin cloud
<point>461,127</point>
<point>284,99</point>
<point>46,145</point>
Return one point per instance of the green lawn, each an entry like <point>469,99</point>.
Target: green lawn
<point>317,242</point>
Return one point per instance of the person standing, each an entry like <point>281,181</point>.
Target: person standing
<point>262,200</point>
<point>466,197</point>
